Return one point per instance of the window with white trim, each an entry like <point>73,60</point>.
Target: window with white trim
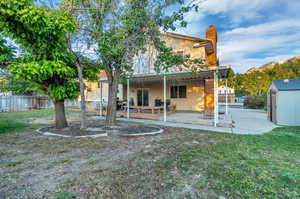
<point>178,91</point>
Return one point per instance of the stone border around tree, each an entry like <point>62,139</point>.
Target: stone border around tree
<point>159,131</point>
<point>39,130</point>
<point>141,134</point>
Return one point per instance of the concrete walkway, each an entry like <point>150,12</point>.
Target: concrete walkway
<point>250,121</point>
<point>197,119</point>
<point>246,121</point>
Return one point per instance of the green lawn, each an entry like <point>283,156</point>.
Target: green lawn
<point>15,121</point>
<point>179,163</point>
<point>240,166</point>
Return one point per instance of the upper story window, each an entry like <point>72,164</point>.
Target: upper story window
<point>143,63</point>
<point>140,64</point>
<point>178,91</point>
<point>180,53</point>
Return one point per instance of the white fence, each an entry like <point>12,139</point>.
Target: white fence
<point>20,103</point>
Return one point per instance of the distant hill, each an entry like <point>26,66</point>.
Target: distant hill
<point>257,80</point>
<point>271,65</point>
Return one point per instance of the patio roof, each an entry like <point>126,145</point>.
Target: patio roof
<point>206,73</point>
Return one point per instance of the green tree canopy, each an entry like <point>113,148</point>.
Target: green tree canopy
<point>41,33</point>
<point>258,82</point>
<point>6,53</point>
<point>8,83</point>
<point>123,29</point>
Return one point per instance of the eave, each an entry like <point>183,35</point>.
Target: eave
<point>205,73</point>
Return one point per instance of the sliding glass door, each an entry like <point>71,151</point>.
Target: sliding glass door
<point>143,97</point>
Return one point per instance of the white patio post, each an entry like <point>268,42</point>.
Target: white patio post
<point>128,99</point>
<point>216,108</point>
<point>226,100</point>
<point>101,100</point>
<point>165,99</point>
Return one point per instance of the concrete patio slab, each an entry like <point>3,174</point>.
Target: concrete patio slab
<point>198,119</point>
<point>250,121</point>
<point>174,124</point>
<point>246,121</point>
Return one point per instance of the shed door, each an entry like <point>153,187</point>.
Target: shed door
<point>273,107</point>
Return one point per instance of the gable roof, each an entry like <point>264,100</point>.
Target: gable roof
<point>287,84</point>
<point>186,37</point>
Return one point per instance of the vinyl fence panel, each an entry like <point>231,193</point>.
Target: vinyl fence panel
<point>21,103</point>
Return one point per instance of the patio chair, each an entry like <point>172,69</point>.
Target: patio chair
<point>157,102</point>
<point>168,102</point>
<point>131,102</point>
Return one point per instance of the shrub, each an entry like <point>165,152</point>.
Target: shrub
<point>255,102</point>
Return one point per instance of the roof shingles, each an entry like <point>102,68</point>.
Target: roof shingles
<point>287,84</point>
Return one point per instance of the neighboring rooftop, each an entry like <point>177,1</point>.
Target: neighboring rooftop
<point>287,84</point>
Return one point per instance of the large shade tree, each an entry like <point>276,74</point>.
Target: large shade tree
<point>8,83</point>
<point>6,53</point>
<point>123,29</point>
<point>41,33</point>
<point>79,46</point>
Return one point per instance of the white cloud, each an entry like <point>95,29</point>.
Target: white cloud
<point>193,29</point>
<point>253,32</point>
<point>275,40</point>
<point>236,10</point>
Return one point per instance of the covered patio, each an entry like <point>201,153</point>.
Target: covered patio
<point>199,118</point>
<point>166,96</point>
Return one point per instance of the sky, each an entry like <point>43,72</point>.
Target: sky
<point>250,32</point>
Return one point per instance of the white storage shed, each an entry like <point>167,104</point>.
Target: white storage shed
<point>284,102</point>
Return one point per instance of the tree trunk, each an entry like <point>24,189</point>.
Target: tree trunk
<point>60,116</point>
<point>111,111</point>
<point>82,97</point>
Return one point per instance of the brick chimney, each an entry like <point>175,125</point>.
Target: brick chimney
<point>211,33</point>
<point>212,60</point>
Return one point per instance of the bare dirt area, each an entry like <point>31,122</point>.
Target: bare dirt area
<point>177,163</point>
<point>99,128</point>
<point>38,166</point>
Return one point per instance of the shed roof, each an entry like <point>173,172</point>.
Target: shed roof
<point>287,84</point>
